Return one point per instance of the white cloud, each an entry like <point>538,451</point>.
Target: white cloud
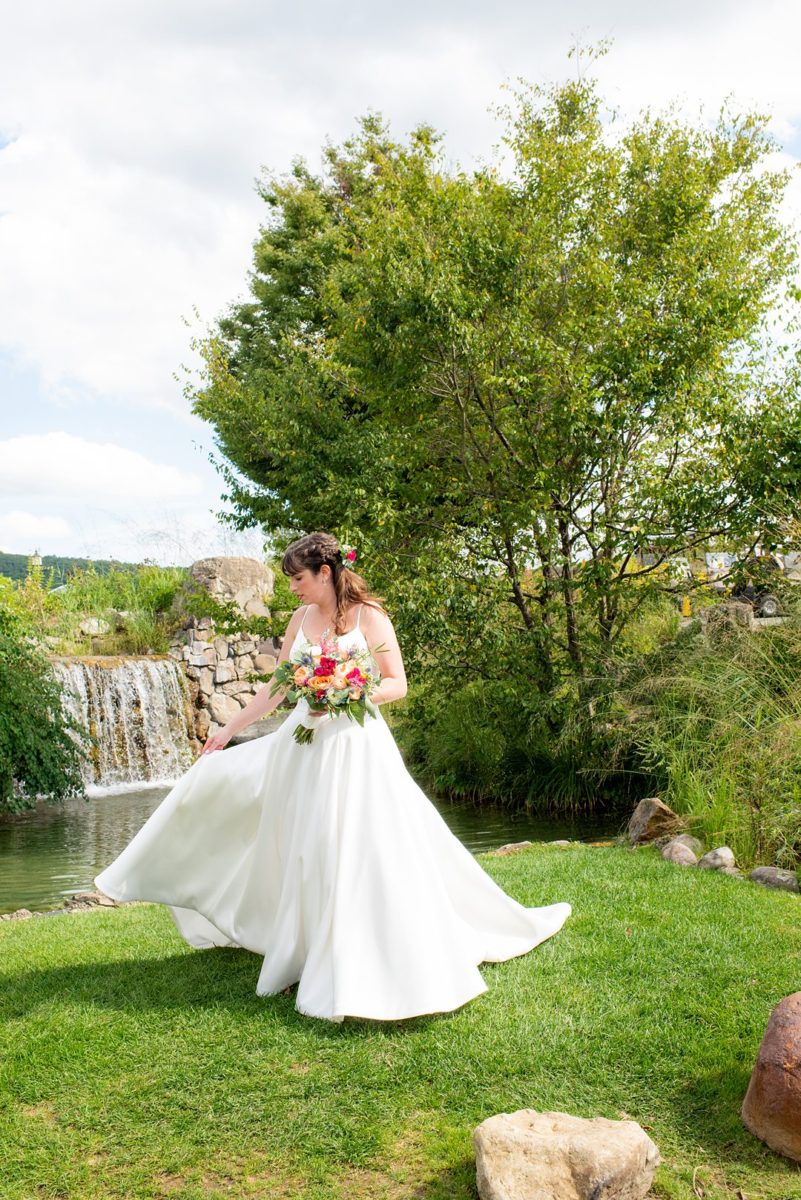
<point>127,196</point>
<point>27,529</point>
<point>69,466</point>
<point>130,138</point>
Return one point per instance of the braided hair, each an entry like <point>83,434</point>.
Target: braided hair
<point>317,549</point>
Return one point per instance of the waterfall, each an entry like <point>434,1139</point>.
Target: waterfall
<point>138,711</point>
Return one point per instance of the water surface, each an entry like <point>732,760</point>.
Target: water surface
<point>56,850</point>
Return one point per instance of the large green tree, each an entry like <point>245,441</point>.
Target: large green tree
<point>505,383</point>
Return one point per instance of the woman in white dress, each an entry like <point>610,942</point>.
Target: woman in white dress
<point>327,859</point>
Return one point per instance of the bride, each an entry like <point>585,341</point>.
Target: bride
<point>327,859</point>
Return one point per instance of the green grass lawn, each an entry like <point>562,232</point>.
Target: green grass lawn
<point>133,1066</point>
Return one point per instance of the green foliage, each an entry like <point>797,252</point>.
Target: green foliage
<point>504,384</point>
<point>58,567</point>
<point>715,723</point>
<point>40,746</point>
<point>135,601</point>
<point>136,1066</point>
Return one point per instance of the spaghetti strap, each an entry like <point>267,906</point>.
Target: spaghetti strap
<point>359,617</point>
<point>303,619</point>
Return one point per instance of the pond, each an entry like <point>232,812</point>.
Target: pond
<point>55,850</point>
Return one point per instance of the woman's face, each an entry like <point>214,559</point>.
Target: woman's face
<point>311,588</point>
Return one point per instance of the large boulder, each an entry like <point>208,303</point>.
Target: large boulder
<point>772,1106</point>
<point>652,819</point>
<point>529,1155</point>
<point>245,581</point>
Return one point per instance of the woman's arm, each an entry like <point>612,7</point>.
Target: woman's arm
<point>379,631</point>
<point>262,703</point>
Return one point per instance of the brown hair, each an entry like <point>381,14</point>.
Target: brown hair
<point>315,549</point>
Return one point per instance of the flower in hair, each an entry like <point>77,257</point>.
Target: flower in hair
<point>348,554</point>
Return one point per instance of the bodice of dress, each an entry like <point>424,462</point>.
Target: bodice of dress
<point>300,638</point>
<point>356,634</point>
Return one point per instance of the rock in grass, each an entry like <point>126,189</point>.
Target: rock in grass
<point>652,819</point>
<point>772,1106</point>
<point>528,1155</point>
<point>677,852</point>
<point>775,877</point>
<point>691,842</point>
<point>509,848</point>
<point>716,860</point>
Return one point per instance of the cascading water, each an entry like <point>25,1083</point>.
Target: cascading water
<point>137,709</point>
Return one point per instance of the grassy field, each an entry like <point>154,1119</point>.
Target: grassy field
<point>133,1066</point>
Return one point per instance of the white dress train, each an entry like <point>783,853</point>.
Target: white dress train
<point>331,862</point>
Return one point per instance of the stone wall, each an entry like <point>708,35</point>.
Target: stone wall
<point>219,669</point>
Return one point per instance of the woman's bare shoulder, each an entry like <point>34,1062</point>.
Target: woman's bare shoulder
<point>376,620</point>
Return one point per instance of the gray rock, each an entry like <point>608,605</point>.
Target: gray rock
<point>236,686</point>
<point>206,680</point>
<point>256,608</point>
<point>94,626</point>
<point>202,722</point>
<point>715,860</point>
<point>693,843</point>
<point>222,708</point>
<point>224,672</point>
<point>651,819</point>
<point>246,581</point>
<point>677,852</point>
<point>775,877</point>
<point>264,663</point>
<point>257,729</point>
<point>509,848</point>
<point>529,1155</point>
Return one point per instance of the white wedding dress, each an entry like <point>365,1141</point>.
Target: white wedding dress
<point>330,862</point>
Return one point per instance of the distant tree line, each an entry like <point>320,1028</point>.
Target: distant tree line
<point>57,567</point>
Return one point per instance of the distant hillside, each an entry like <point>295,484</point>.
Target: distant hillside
<point>15,566</point>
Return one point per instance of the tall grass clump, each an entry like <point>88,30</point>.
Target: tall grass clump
<point>714,720</point>
<point>136,602</point>
<point>498,742</point>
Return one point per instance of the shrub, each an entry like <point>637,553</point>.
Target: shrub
<point>39,753</point>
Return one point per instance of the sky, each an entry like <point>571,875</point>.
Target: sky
<point>132,134</point>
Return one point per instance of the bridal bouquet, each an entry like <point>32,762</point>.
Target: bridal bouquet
<point>332,680</point>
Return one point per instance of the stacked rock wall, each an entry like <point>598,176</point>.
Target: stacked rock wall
<point>219,672</point>
<point>220,669</point>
